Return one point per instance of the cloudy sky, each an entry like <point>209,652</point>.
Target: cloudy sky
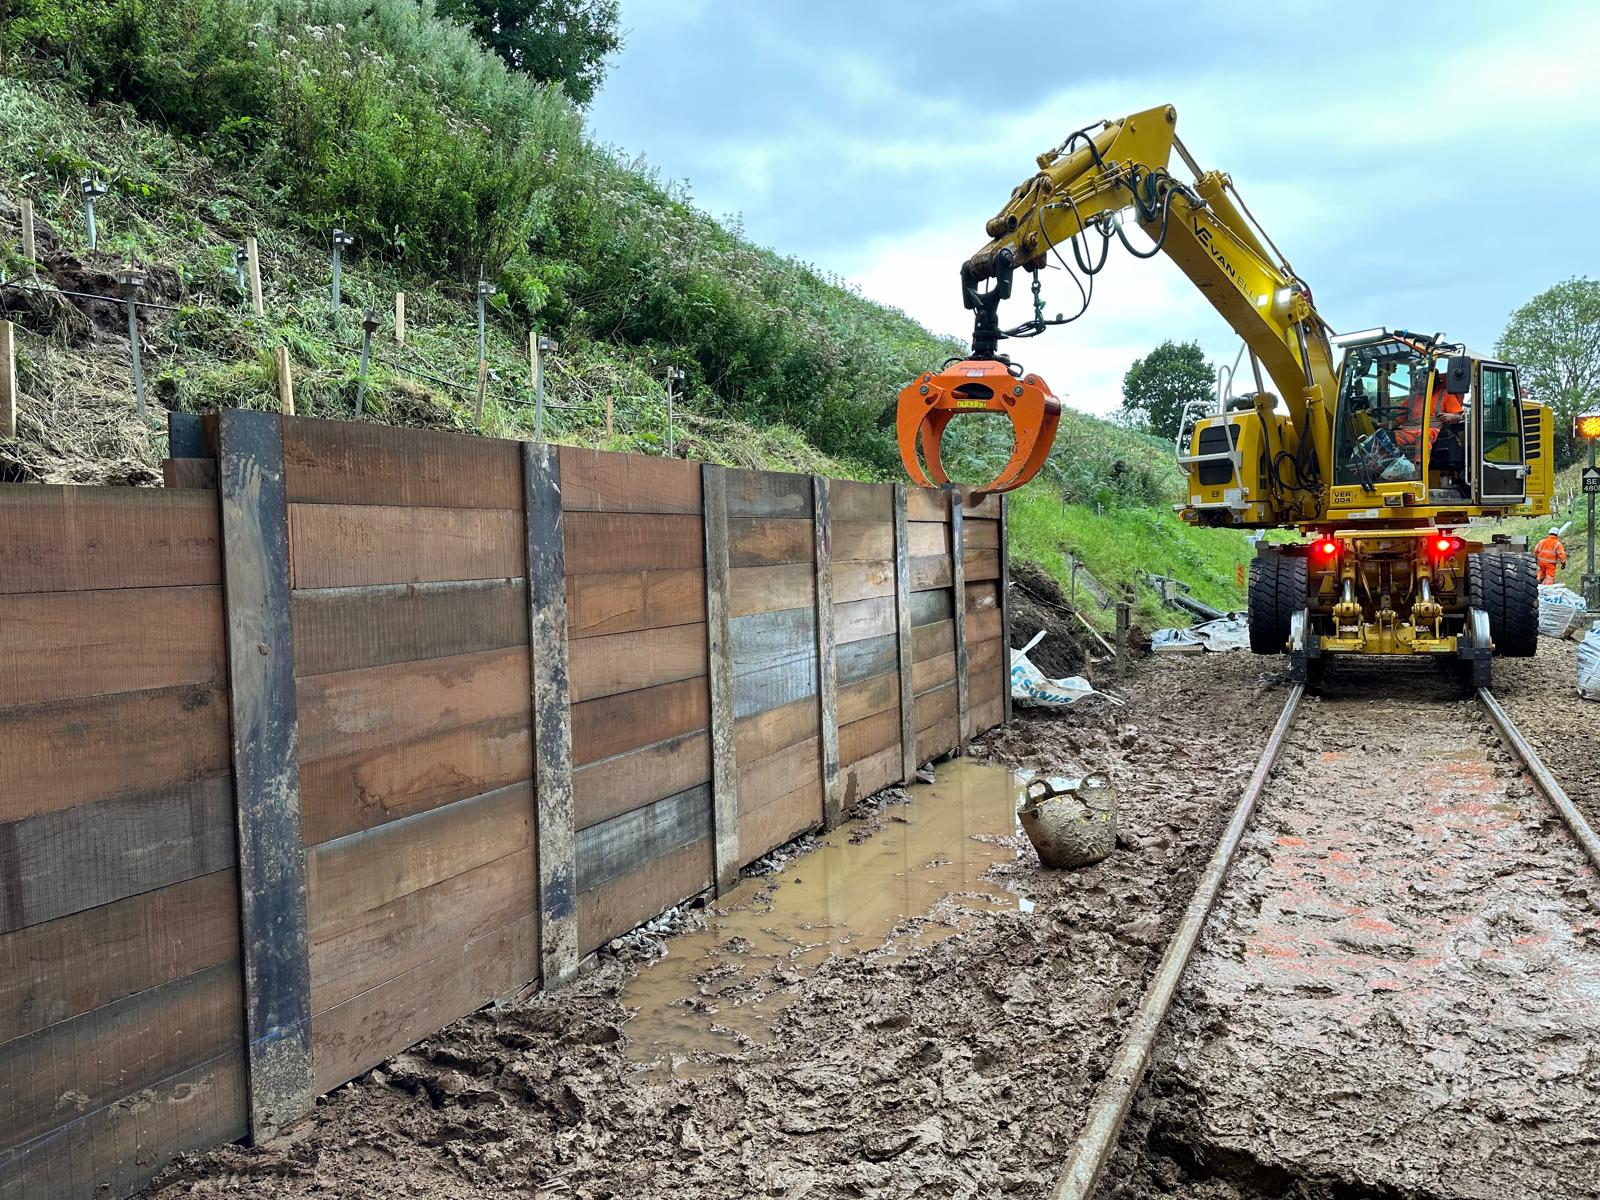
<point>1428,166</point>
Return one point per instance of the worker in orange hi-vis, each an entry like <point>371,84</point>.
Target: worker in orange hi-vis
<point>1551,555</point>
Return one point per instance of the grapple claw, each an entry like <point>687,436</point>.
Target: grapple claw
<point>976,387</point>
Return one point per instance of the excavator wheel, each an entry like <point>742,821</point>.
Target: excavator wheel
<point>1277,592</point>
<point>1506,586</point>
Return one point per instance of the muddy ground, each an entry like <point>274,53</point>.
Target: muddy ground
<point>960,1069</point>
<point>1398,995</point>
<point>1541,694</point>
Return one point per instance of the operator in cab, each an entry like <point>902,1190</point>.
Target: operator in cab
<point>1443,431</point>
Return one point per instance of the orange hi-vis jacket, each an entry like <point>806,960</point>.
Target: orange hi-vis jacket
<point>1550,553</point>
<point>1409,430</point>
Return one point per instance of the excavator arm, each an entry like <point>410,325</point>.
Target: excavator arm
<point>1098,182</point>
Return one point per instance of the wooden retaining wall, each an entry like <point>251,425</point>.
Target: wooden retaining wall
<point>297,766</point>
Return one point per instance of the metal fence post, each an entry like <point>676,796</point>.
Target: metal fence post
<point>341,242</point>
<point>92,188</point>
<point>8,379</point>
<point>27,235</point>
<point>131,279</point>
<point>674,375</point>
<point>369,326</point>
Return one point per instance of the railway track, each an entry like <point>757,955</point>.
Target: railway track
<point>1311,928</point>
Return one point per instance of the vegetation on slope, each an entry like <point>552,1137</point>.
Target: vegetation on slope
<point>219,119</point>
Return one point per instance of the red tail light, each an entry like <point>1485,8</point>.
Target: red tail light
<point>1445,546</point>
<point>1325,549</point>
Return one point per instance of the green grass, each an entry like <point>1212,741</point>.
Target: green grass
<point>1121,544</point>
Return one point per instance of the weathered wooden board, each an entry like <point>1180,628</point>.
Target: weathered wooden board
<point>629,601</point>
<point>827,672</point>
<point>986,714</point>
<point>367,870</point>
<point>719,655</point>
<point>63,968</point>
<point>928,539</point>
<point>770,778</point>
<point>626,662</point>
<point>600,481</point>
<point>348,462</point>
<point>903,631</point>
<point>983,658</point>
<point>619,904</point>
<point>63,753</point>
<point>766,687</point>
<point>860,779</point>
<point>615,724</point>
<point>985,687</point>
<point>984,625</point>
<point>934,706</point>
<point>615,847</point>
<point>868,697</point>
<point>927,504</point>
<point>930,572</point>
<point>862,580</point>
<point>859,619</point>
<point>768,541</point>
<point>1004,589</point>
<point>371,1026</point>
<point>346,793</point>
<point>987,509</point>
<point>87,538</point>
<point>958,587</point>
<point>346,629</point>
<point>189,473</point>
<point>116,1149</point>
<point>118,1049</point>
<point>937,739</point>
<point>864,738</point>
<point>356,545</point>
<point>928,607</point>
<point>377,945</point>
<point>613,786</point>
<point>981,595</point>
<point>863,541</point>
<point>978,534</point>
<point>855,501</point>
<point>768,494</point>
<point>775,729</point>
<point>771,825</point>
<point>266,769</point>
<point>983,564</point>
<point>75,858</point>
<point>755,590</point>
<point>930,673</point>
<point>930,641</point>
<point>607,543</point>
<point>766,639</point>
<point>346,711</point>
<point>856,661</point>
<point>61,645</point>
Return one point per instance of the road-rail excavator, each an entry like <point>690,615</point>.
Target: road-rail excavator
<point>1391,464</point>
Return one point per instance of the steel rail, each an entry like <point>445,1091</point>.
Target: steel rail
<point>1554,792</point>
<point>1115,1094</point>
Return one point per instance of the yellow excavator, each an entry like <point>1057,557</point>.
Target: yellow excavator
<point>1390,463</point>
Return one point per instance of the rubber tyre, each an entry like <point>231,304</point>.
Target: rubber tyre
<point>1277,592</point>
<point>1506,586</point>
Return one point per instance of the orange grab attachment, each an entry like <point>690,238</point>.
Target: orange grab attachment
<point>980,387</point>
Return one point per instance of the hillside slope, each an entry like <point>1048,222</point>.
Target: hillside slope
<point>784,368</point>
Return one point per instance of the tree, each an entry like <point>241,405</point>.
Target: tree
<point>1159,385</point>
<point>1554,339</point>
<point>554,41</point>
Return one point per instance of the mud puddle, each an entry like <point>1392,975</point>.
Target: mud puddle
<point>719,987</point>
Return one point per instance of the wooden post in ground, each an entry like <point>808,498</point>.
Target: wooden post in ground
<point>8,379</point>
<point>252,266</point>
<point>27,234</point>
<point>1005,613</point>
<point>827,675</point>
<point>274,942</point>
<point>902,624</point>
<point>1123,609</point>
<point>610,403</point>
<point>554,826</point>
<point>719,629</point>
<point>958,588</point>
<point>285,382</point>
<point>400,318</point>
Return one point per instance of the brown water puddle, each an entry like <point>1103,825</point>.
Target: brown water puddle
<point>723,984</point>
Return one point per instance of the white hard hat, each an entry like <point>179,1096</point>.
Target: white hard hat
<point>1556,530</point>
